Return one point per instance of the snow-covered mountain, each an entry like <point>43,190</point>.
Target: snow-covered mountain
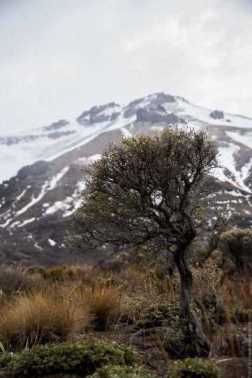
<point>44,169</point>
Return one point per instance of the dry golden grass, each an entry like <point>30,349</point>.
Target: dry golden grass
<point>104,304</point>
<point>39,318</point>
<point>14,280</point>
<point>65,301</point>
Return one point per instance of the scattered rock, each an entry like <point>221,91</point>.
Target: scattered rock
<point>217,114</point>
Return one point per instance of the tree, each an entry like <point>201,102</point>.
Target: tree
<point>150,188</point>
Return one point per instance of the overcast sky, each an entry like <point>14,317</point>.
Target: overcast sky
<point>58,57</point>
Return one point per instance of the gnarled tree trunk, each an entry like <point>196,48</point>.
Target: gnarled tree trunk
<point>194,334</point>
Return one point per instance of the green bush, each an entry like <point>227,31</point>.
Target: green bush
<point>194,368</point>
<point>82,358</point>
<point>122,372</point>
<point>236,246</point>
<point>157,316</point>
<point>5,359</point>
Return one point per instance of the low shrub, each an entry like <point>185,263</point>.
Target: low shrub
<point>5,359</point>
<point>122,372</point>
<point>158,315</point>
<point>83,358</point>
<point>236,247</point>
<point>39,318</point>
<point>194,368</point>
<point>181,342</point>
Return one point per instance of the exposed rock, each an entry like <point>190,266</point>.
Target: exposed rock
<point>57,125</point>
<point>59,134</point>
<point>9,140</point>
<point>97,114</point>
<point>37,169</point>
<point>153,116</point>
<point>217,114</point>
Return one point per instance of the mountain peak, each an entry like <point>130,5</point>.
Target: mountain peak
<point>38,202</point>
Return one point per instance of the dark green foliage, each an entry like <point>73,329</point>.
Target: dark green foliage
<point>5,359</point>
<point>165,322</point>
<point>236,245</point>
<point>122,372</point>
<point>212,311</point>
<point>146,188</point>
<point>159,316</point>
<point>194,368</point>
<point>82,358</point>
<point>182,342</point>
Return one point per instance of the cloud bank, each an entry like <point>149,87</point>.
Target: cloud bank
<point>59,56</point>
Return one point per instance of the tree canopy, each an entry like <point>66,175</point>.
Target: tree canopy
<point>147,188</point>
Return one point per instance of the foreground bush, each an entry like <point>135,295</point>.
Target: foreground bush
<point>122,372</point>
<point>194,368</point>
<point>82,358</point>
<point>40,318</point>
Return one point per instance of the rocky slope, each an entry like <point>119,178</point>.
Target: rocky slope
<point>43,171</point>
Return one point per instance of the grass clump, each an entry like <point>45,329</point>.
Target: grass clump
<point>83,358</point>
<point>105,305</point>
<point>14,280</point>
<point>194,368</point>
<point>40,318</point>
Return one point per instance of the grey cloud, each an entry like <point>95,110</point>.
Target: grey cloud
<point>60,56</point>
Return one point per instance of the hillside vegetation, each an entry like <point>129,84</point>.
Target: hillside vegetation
<point>79,313</point>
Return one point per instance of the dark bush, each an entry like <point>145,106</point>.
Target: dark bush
<point>236,245</point>
<point>82,358</point>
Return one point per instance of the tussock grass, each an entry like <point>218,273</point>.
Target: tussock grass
<point>105,306</point>
<point>40,318</point>
<point>14,280</point>
<point>74,301</point>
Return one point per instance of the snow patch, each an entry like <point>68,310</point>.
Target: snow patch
<point>126,133</point>
<point>52,242</point>
<point>244,138</point>
<point>89,160</point>
<point>21,195</point>
<point>226,159</point>
<point>27,221</point>
<point>48,186</point>
<point>70,204</point>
